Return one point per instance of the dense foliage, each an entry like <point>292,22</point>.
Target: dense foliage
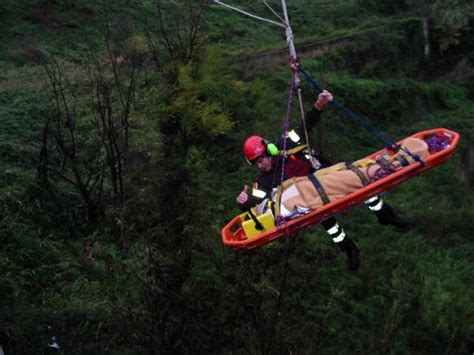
<point>120,159</point>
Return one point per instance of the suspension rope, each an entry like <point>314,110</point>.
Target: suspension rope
<point>304,124</point>
<point>249,14</point>
<point>294,66</point>
<point>286,124</point>
<point>273,11</point>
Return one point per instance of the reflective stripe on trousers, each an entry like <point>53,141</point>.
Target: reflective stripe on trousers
<point>336,232</point>
<point>374,203</point>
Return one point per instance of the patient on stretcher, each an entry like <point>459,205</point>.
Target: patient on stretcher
<point>299,195</point>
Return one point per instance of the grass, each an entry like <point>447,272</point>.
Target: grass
<point>410,287</point>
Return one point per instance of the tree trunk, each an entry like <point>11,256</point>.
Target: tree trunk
<point>466,173</point>
<point>426,38</point>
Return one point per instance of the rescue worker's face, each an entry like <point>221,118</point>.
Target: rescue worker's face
<point>264,163</point>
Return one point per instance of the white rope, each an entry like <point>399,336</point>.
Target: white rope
<point>291,41</point>
<point>306,136</point>
<point>285,13</point>
<point>249,14</point>
<point>289,32</point>
<point>285,23</point>
<point>273,11</point>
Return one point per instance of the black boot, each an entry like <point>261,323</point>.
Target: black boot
<point>352,252</point>
<point>387,215</point>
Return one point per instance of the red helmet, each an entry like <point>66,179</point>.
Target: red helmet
<point>254,146</point>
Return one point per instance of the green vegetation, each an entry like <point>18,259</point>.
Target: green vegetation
<point>120,156</point>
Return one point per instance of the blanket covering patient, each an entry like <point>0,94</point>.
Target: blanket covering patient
<point>298,195</point>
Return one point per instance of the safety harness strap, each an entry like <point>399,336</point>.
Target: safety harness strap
<point>293,150</point>
<point>402,160</point>
<point>258,225</point>
<point>278,201</point>
<point>356,171</point>
<point>269,205</point>
<point>317,185</point>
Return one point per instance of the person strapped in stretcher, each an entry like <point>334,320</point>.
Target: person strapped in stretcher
<point>290,158</point>
<point>300,195</point>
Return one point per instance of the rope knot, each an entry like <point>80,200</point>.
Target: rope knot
<point>294,64</point>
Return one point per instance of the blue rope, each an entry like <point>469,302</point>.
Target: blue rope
<point>389,143</point>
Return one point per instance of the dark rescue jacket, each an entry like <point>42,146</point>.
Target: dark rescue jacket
<point>296,164</point>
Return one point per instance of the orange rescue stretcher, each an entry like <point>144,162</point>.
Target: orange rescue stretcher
<point>234,235</point>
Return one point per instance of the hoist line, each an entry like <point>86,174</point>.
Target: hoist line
<point>300,100</point>
<point>295,81</point>
<point>286,125</point>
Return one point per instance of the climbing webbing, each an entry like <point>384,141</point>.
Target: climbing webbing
<point>389,143</point>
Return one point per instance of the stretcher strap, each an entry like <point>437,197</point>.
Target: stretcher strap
<point>356,171</point>
<point>278,202</point>
<point>258,225</point>
<point>402,160</point>
<point>271,204</point>
<point>317,185</point>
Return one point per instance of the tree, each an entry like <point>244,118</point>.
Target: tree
<point>450,19</point>
<point>64,142</point>
<point>179,27</point>
<point>422,7</point>
<point>86,144</point>
<point>175,213</point>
